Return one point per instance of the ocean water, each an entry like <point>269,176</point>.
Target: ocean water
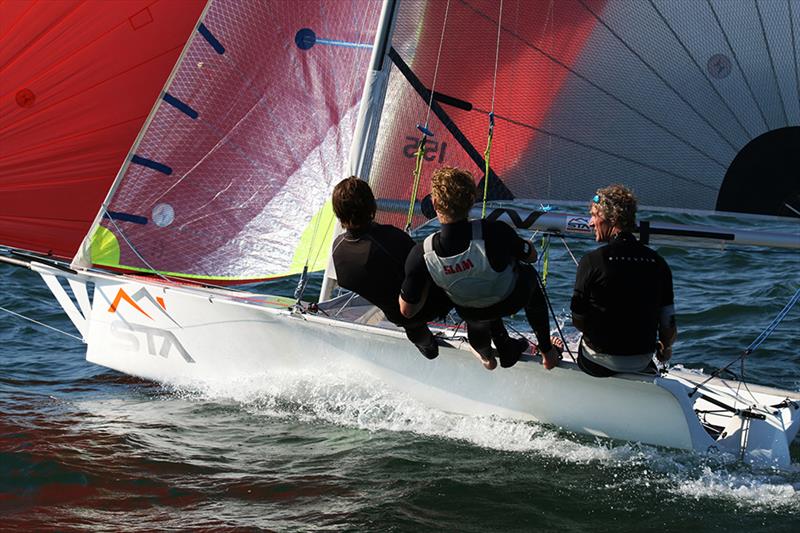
<point>86,448</point>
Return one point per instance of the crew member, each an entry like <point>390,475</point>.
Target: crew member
<point>369,260</point>
<point>623,298</point>
<point>483,267</point>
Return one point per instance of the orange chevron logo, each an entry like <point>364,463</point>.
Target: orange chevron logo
<point>123,296</point>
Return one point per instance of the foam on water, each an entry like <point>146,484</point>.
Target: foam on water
<point>357,401</point>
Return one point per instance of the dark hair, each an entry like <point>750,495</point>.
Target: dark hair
<point>353,203</point>
<point>454,191</point>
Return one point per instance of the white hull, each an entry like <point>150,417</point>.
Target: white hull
<point>183,335</point>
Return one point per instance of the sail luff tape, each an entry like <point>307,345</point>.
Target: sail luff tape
<point>149,163</point>
<point>181,106</point>
<point>215,44</point>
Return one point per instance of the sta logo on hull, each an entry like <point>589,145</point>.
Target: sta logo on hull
<point>159,342</point>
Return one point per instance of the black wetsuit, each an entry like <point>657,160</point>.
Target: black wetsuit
<point>620,290</point>
<point>370,262</point>
<point>503,246</point>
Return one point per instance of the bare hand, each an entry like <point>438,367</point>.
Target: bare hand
<point>663,353</point>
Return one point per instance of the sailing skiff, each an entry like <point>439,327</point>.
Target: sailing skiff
<point>188,336</point>
<point>225,178</point>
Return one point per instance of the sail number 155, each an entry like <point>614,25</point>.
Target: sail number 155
<point>432,149</point>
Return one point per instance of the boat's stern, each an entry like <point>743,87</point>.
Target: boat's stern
<point>755,423</point>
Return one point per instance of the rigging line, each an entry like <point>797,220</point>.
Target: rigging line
<point>500,188</point>
<point>488,152</point>
<point>606,92</point>
<point>601,150</point>
<point>555,318</point>
<point>352,297</point>
<point>774,324</point>
<point>702,71</point>
<point>563,240</point>
<point>771,63</point>
<point>497,52</point>
<point>204,282</point>
<point>659,76</point>
<point>438,58</point>
<point>738,65</point>
<point>794,52</point>
<point>9,311</point>
<point>425,130</point>
<point>758,341</point>
<point>130,245</point>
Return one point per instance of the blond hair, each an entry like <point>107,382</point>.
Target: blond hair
<point>617,204</point>
<point>454,192</point>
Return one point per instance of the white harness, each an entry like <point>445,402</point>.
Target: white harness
<point>468,278</point>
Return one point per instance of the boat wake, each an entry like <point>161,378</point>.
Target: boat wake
<point>352,401</point>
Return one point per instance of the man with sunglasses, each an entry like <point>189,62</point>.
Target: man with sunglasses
<point>623,300</point>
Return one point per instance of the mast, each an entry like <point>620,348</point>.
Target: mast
<point>369,118</point>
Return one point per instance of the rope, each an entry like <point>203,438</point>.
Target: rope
<point>569,251</point>
<point>487,153</point>
<point>545,258</point>
<point>132,247</point>
<point>10,312</point>
<point>412,203</point>
<point>436,69</point>
<point>755,344</point>
<point>774,324</point>
<point>425,129</point>
<point>555,319</point>
<point>486,159</point>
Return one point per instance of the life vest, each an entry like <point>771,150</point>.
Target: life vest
<point>468,278</point>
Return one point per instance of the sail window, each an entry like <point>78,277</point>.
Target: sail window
<point>163,215</point>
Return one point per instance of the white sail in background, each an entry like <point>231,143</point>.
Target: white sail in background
<point>695,105</point>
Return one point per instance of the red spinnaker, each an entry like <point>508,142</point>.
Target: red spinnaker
<point>77,81</point>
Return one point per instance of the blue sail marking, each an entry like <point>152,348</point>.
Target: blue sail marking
<point>126,217</point>
<point>305,38</point>
<point>181,106</point>
<point>149,163</point>
<point>215,44</point>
